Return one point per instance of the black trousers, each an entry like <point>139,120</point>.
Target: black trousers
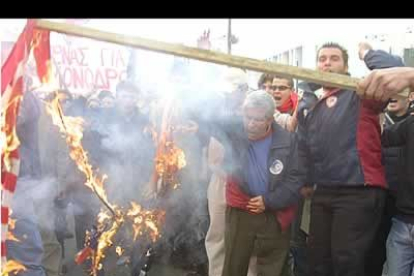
<point>344,222</point>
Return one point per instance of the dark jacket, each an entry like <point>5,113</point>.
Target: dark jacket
<point>379,59</point>
<point>402,134</point>
<point>339,134</point>
<point>284,186</point>
<point>391,155</point>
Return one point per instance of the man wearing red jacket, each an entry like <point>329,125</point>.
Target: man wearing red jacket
<point>340,148</point>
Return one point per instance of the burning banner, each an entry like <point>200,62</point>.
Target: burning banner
<point>108,224</point>
<point>169,158</point>
<point>168,161</point>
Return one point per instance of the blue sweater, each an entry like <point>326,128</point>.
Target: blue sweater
<point>257,171</point>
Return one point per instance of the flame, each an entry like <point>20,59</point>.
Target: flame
<point>12,266</point>
<point>104,242</point>
<point>169,160</point>
<point>169,157</point>
<point>8,138</point>
<point>103,217</point>
<point>119,251</point>
<point>72,128</point>
<point>145,221</point>
<point>12,223</point>
<point>11,237</point>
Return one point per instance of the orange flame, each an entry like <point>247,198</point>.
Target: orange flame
<point>145,221</point>
<point>72,128</point>
<point>169,158</point>
<point>12,266</point>
<point>12,223</point>
<point>105,241</point>
<point>11,237</point>
<point>8,137</point>
<point>119,250</point>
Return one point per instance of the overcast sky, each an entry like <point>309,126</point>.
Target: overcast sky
<point>258,38</point>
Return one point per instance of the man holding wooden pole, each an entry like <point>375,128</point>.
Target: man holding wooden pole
<point>340,149</point>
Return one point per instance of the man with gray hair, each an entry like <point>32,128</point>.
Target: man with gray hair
<point>261,164</point>
<point>230,108</point>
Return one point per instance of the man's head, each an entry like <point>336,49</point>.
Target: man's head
<point>333,58</point>
<point>93,102</point>
<point>127,96</point>
<point>398,107</point>
<point>281,89</point>
<point>107,99</point>
<point>265,82</point>
<point>258,110</point>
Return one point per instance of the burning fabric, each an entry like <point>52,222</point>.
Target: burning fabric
<point>12,267</point>
<point>101,237</point>
<point>169,158</point>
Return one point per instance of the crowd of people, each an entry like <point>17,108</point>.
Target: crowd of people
<point>281,180</point>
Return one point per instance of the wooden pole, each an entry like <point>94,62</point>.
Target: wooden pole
<point>323,78</point>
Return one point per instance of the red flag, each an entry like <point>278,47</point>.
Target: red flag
<point>12,90</point>
<point>41,51</point>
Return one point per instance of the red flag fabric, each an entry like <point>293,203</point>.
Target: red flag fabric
<point>12,90</point>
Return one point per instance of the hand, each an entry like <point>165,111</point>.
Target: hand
<point>383,84</point>
<point>256,205</point>
<point>203,41</point>
<point>364,47</point>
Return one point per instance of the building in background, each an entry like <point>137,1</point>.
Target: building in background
<point>304,54</point>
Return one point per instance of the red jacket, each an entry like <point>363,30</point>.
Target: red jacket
<point>237,199</point>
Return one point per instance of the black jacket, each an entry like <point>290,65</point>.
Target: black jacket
<point>391,155</point>
<point>402,134</point>
<point>339,135</point>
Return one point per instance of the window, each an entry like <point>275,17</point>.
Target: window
<point>409,57</point>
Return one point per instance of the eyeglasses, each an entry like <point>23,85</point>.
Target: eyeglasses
<point>280,88</point>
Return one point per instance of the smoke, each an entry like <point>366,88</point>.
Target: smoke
<point>197,89</point>
<point>33,200</point>
<point>121,147</point>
